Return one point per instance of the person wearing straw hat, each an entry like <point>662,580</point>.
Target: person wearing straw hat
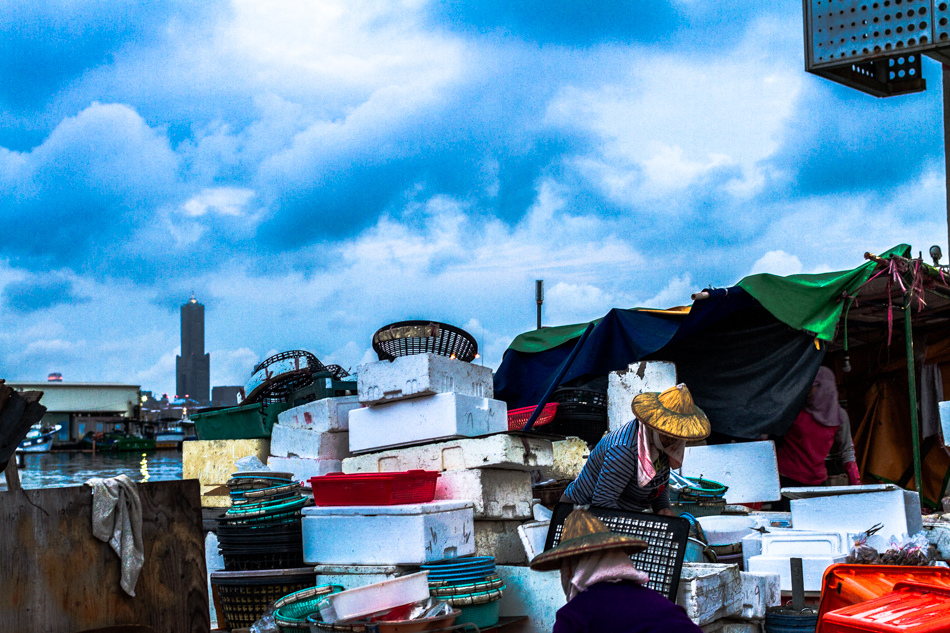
<point>604,590</point>
<point>629,469</point>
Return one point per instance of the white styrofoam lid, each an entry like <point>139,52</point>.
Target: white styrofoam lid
<point>833,491</point>
<point>749,469</point>
<point>432,507</point>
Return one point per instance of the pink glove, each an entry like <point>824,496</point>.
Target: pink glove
<point>854,477</point>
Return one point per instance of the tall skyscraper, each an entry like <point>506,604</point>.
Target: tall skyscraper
<point>193,367</point>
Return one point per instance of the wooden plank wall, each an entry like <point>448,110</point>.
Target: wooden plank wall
<point>56,577</point>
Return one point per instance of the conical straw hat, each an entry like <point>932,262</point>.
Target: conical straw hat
<point>672,413</point>
<point>583,533</point>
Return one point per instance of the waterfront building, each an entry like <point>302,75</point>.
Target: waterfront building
<point>81,407</point>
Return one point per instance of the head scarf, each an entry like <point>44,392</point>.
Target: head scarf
<point>649,447</point>
<point>580,572</point>
<point>822,402</point>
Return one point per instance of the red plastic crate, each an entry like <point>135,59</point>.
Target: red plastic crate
<point>911,608</point>
<point>374,489</point>
<point>517,418</point>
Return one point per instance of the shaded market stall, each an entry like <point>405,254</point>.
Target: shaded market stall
<point>749,354</point>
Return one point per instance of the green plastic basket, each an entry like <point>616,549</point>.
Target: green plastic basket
<point>248,422</point>
<point>292,610</point>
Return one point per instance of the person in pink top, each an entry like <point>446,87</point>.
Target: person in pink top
<point>820,428</point>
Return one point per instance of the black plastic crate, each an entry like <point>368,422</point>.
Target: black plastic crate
<point>666,537</point>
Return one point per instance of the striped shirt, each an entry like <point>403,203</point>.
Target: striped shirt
<point>609,479</point>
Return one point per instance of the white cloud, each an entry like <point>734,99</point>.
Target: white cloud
<point>676,293</point>
<point>229,201</point>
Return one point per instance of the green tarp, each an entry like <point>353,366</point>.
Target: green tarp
<point>812,302</point>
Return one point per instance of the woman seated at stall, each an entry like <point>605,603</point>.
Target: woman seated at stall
<point>821,428</point>
<point>605,591</point>
<point>629,469</point>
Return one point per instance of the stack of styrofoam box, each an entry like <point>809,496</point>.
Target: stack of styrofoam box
<point>623,386</point>
<point>211,462</point>
<point>748,469</point>
<point>312,440</point>
<point>825,521</point>
<point>425,398</point>
<point>720,598</point>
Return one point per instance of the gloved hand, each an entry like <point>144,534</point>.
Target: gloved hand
<point>854,477</point>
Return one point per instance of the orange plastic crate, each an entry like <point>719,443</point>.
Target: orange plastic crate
<point>911,608</point>
<point>845,585</point>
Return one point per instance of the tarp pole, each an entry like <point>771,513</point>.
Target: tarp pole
<point>912,389</point>
<point>557,377</point>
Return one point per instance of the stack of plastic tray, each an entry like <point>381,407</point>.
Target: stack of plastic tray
<point>581,413</point>
<point>261,529</point>
<point>470,585</point>
<point>665,536</point>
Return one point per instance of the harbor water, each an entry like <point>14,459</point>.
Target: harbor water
<point>53,470</point>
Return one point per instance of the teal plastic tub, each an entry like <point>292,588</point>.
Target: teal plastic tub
<point>481,615</point>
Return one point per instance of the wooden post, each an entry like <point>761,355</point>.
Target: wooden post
<point>912,389</point>
<point>12,475</point>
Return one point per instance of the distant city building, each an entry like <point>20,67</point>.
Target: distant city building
<point>193,367</point>
<point>54,377</point>
<point>226,396</point>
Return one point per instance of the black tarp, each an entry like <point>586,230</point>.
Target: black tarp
<point>746,369</point>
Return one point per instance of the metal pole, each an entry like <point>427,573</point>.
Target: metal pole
<point>912,388</point>
<point>539,296</point>
<point>946,138</point>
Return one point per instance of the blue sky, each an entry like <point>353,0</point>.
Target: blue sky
<point>315,170</point>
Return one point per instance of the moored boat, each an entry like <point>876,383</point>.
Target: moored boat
<point>117,441</point>
<point>39,439</point>
<point>169,438</point>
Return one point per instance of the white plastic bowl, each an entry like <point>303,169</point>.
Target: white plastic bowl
<point>726,530</point>
<point>380,596</point>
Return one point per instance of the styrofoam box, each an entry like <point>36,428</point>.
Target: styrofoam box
<point>732,626</point>
<point>496,451</point>
<point>570,455</point>
<point>536,594</point>
<point>805,543</point>
<point>303,468</point>
<point>421,375</point>
<point>759,592</point>
<point>749,469</point>
<point>427,419</point>
<point>533,536</point>
<point>897,509</point>
<point>938,533</point>
<point>380,596</point>
<point>286,441</point>
<point>214,561</point>
<point>500,539</point>
<point>496,493</point>
<point>709,591</point>
<point>813,569</point>
<point>329,415</point>
<point>623,386</point>
<point>409,534</point>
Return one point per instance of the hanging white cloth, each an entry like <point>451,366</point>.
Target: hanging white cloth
<point>117,520</point>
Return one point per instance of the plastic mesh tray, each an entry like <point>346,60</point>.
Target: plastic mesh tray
<point>421,337</point>
<point>666,537</point>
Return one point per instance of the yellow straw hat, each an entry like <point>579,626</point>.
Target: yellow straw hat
<point>672,413</point>
<point>583,533</point>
